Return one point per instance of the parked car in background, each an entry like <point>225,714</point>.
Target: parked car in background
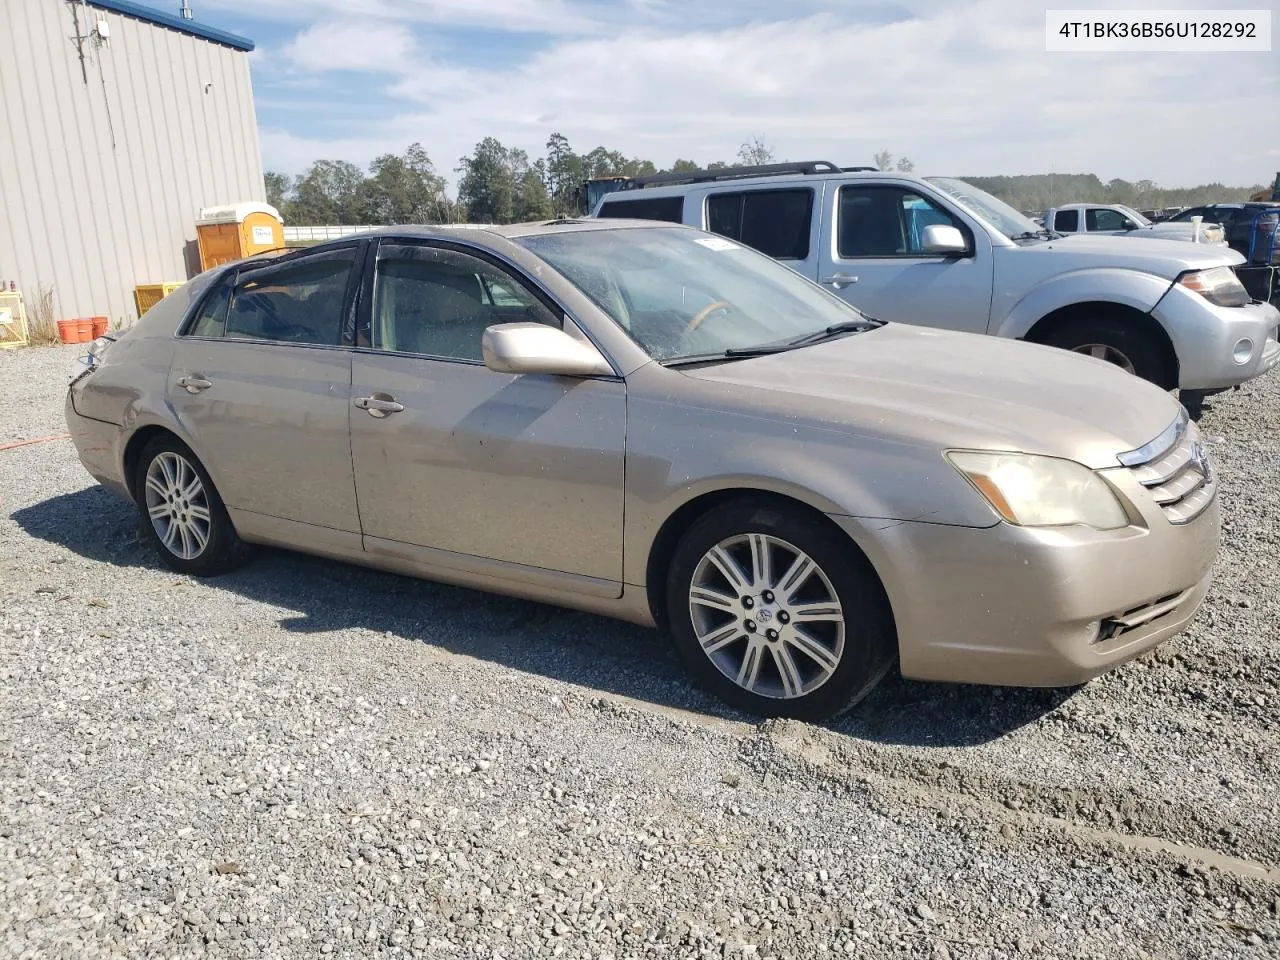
<point>1118,220</point>
<point>940,252</point>
<point>1250,227</point>
<point>662,425</point>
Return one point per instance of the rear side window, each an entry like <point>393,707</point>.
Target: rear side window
<point>775,222</point>
<point>1066,221</point>
<point>298,302</point>
<point>211,318</point>
<point>670,209</point>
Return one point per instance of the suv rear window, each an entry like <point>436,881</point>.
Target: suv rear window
<point>670,209</point>
<point>775,222</point>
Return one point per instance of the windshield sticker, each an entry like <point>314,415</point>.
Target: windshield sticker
<point>716,243</point>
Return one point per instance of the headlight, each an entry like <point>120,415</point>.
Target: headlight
<point>85,363</point>
<point>1033,491</point>
<point>1218,285</point>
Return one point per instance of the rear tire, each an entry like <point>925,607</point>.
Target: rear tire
<point>183,515</point>
<point>1123,344</point>
<point>777,613</point>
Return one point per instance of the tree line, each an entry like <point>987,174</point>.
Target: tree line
<point>501,184</point>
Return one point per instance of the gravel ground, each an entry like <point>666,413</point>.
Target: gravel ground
<point>305,759</point>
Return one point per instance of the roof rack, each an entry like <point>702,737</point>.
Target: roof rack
<point>859,169</point>
<point>806,167</point>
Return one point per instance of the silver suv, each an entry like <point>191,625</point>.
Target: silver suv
<point>941,252</point>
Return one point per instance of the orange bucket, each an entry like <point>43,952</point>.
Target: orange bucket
<point>84,329</point>
<point>69,331</point>
<point>99,326</point>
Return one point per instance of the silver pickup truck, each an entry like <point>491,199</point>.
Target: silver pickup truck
<point>1118,220</point>
<point>940,252</point>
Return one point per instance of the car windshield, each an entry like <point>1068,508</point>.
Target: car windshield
<point>1133,215</point>
<point>681,293</point>
<point>996,212</point>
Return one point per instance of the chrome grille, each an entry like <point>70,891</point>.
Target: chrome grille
<point>1179,477</point>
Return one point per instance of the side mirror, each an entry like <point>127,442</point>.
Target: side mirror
<point>537,348</point>
<point>1129,224</point>
<point>943,239</point>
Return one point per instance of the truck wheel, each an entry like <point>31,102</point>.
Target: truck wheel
<point>1116,342</point>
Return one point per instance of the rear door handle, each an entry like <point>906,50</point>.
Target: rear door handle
<point>379,405</point>
<point>194,383</point>
<point>839,280</point>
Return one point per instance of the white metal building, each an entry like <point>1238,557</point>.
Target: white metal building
<point>120,122</point>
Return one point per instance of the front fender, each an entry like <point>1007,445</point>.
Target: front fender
<point>679,452</point>
<point>1130,288</point>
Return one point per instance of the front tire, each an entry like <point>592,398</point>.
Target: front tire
<point>777,613</point>
<point>1124,345</point>
<point>183,515</point>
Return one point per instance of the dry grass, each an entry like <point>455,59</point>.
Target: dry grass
<point>42,327</point>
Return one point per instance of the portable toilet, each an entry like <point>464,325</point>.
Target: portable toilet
<point>236,231</point>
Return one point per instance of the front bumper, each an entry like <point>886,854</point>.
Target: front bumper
<point>1205,337</point>
<point>1043,608</point>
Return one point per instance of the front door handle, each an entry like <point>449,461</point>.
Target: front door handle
<point>840,280</point>
<point>379,405</point>
<point>194,383</point>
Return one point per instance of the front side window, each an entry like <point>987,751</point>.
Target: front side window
<point>438,302</point>
<point>775,222</point>
<point>680,293</point>
<point>1066,221</point>
<point>886,221</point>
<point>1102,219</point>
<point>297,302</point>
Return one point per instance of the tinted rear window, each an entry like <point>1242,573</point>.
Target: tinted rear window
<point>775,222</point>
<point>670,209</point>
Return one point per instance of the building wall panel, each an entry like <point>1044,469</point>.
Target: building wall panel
<point>104,166</point>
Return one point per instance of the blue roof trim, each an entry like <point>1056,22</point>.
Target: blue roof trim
<point>152,15</point>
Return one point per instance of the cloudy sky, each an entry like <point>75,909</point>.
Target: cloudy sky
<point>959,87</point>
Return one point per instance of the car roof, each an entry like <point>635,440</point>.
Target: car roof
<point>775,180</point>
<point>485,234</point>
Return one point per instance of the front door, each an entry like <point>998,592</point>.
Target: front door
<point>261,383</point>
<point>875,260</point>
<point>524,470</point>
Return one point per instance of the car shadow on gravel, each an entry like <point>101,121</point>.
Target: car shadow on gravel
<point>578,648</point>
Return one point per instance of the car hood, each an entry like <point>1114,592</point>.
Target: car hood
<point>1161,256</point>
<point>954,390</point>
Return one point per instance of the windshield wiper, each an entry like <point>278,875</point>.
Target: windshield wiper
<point>1037,235</point>
<point>733,353</point>
<point>764,349</point>
<point>836,329</point>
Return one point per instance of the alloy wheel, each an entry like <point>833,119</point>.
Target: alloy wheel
<point>1102,351</point>
<point>767,616</point>
<point>178,506</point>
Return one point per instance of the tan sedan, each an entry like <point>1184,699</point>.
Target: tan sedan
<point>657,424</point>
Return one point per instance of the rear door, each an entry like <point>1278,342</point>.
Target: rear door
<point>260,381</point>
<point>782,222</point>
<point>873,258</point>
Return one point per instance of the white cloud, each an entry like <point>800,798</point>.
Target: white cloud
<point>960,89</point>
<point>353,45</point>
